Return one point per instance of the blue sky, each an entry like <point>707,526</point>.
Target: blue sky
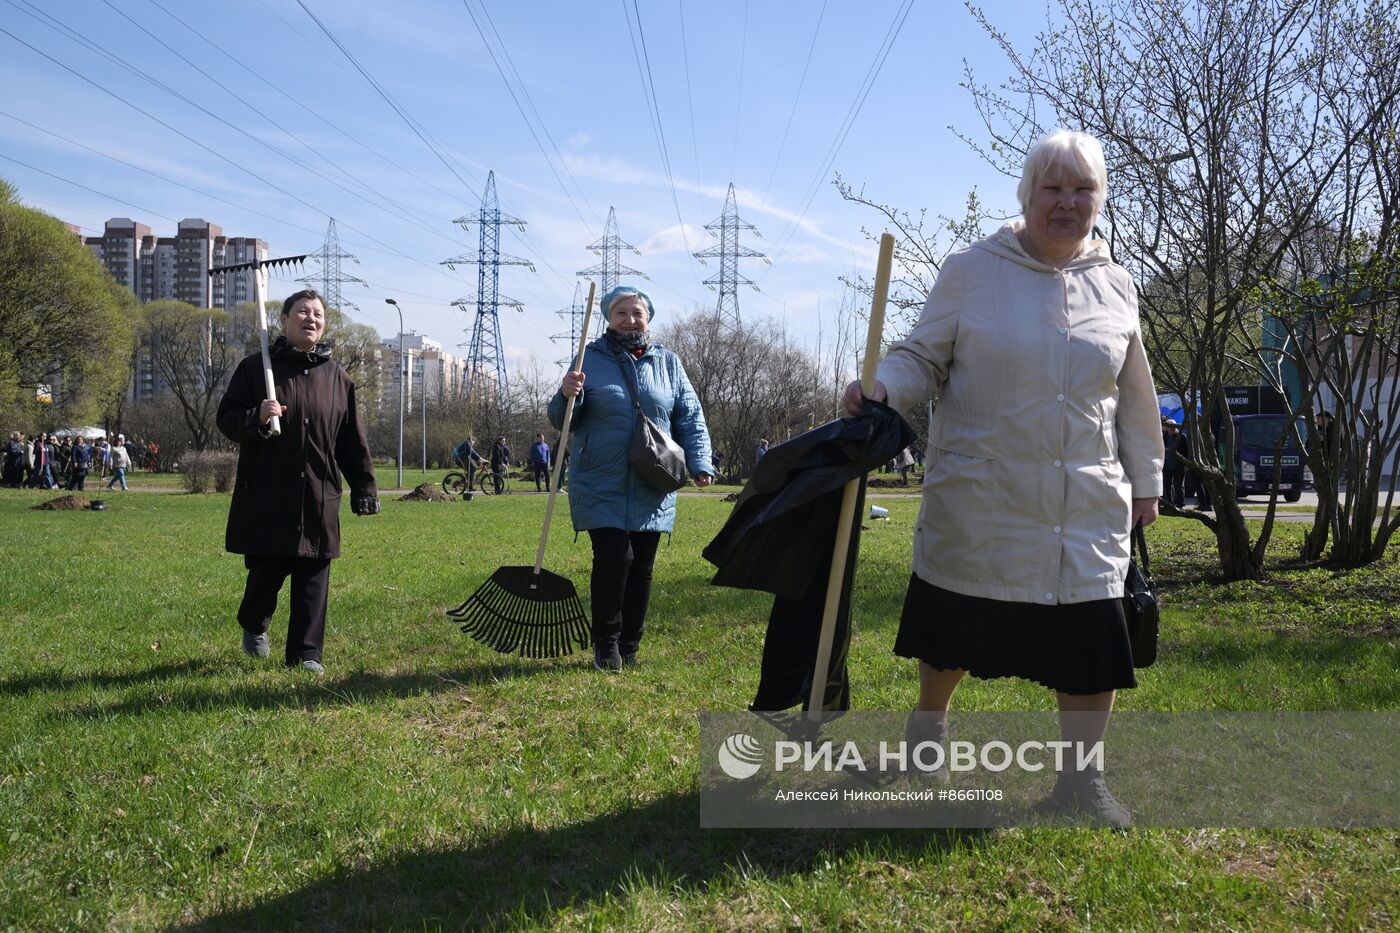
<point>726,78</point>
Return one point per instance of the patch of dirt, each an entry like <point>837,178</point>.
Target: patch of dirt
<point>879,482</point>
<point>425,492</point>
<point>64,504</point>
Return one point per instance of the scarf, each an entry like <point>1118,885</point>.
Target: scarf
<point>635,343</point>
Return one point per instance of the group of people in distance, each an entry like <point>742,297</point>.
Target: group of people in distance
<point>1044,451</point>
<point>50,461</point>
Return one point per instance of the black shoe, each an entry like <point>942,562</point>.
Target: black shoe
<point>629,660</point>
<point>1085,794</point>
<point>607,659</point>
<point>924,726</point>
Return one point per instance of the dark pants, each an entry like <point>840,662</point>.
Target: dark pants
<point>541,473</point>
<point>311,579</point>
<point>79,479</point>
<point>621,585</point>
<point>1175,485</point>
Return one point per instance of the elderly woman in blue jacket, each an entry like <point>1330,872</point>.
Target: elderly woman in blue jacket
<point>623,515</point>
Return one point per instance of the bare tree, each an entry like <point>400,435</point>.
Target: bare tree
<point>194,352</point>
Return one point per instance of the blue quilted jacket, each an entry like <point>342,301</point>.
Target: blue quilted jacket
<point>604,492</point>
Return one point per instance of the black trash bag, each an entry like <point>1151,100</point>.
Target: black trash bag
<point>779,539</point>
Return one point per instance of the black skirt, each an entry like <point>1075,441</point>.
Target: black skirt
<point>1071,648</point>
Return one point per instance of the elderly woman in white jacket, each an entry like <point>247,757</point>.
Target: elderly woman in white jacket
<point>1044,450</point>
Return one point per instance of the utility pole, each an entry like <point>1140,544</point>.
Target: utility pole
<point>403,377</point>
<point>729,253</point>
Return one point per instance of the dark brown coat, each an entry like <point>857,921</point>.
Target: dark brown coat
<point>286,501</point>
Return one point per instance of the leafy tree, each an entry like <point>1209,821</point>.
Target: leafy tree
<point>64,323</point>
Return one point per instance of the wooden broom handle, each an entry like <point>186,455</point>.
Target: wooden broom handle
<point>563,437</point>
<point>846,517</point>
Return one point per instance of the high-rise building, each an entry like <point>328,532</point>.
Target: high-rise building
<point>430,369</point>
<point>157,268</point>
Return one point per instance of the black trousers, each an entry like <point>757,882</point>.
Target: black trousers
<point>541,472</point>
<point>1174,491</point>
<point>621,585</point>
<point>311,579</point>
<point>79,479</point>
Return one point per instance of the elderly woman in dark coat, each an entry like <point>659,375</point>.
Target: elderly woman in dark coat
<point>285,515</point>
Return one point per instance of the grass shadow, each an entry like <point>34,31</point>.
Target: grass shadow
<point>524,875</point>
<point>61,679</point>
<point>301,691</point>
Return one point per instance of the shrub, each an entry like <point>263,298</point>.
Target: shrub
<point>204,468</point>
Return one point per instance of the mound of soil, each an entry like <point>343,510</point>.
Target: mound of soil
<point>64,504</point>
<point>425,492</point>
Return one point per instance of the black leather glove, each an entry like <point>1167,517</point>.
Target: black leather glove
<point>365,505</point>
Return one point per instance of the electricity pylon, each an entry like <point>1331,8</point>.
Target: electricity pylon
<point>330,280</point>
<point>486,378</point>
<point>608,272</point>
<point>730,252</point>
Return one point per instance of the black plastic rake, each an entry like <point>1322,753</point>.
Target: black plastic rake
<point>259,269</point>
<point>529,609</point>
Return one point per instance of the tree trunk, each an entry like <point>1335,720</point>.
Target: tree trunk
<point>1237,556</point>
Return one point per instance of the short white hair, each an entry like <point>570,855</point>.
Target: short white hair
<point>1070,149</point>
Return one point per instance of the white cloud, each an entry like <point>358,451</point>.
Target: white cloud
<point>580,139</point>
<point>675,239</point>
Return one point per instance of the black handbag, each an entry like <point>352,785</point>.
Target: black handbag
<point>1140,604</point>
<point>657,459</point>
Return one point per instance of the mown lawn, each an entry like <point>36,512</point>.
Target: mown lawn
<point>154,777</point>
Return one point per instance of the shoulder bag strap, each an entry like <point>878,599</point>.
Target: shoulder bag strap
<point>1140,539</point>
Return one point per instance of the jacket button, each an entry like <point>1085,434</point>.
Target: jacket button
<point>1060,397</point>
<point>1057,529</point>
<point>1049,597</point>
<point>1064,330</point>
<point>1059,463</point>
<point>303,475</point>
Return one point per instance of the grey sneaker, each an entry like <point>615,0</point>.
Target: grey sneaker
<point>255,646</point>
<point>923,727</point>
<point>607,659</point>
<point>313,667</point>
<point>1085,794</point>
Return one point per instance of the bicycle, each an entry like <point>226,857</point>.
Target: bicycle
<point>457,482</point>
<point>491,482</point>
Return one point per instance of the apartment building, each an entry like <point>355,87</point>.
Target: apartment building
<point>157,268</point>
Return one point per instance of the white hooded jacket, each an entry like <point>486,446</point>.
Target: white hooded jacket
<point>1046,428</point>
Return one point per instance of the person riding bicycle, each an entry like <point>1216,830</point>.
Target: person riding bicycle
<point>467,456</point>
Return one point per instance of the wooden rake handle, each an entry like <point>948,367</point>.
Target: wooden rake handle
<point>563,438</point>
<point>846,517</point>
<point>260,296</point>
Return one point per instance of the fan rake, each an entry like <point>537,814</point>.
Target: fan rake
<point>529,609</point>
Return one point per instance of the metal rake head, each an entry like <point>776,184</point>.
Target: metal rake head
<point>282,262</point>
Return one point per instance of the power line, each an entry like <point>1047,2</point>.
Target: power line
<point>275,87</point>
<point>79,38</point>
<point>739,95</point>
<point>654,109</point>
<point>872,73</point>
<point>801,83</point>
<point>524,91</point>
<point>411,123</point>
<point>690,102</point>
<point>112,197</point>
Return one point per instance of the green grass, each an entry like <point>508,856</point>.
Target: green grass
<point>154,777</point>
